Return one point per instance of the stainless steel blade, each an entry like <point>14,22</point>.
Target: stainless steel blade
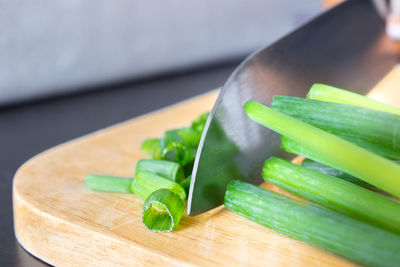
<point>346,47</point>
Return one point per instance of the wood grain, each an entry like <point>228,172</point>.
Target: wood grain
<point>61,222</point>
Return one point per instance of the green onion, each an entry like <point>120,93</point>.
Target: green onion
<point>325,169</point>
<point>328,93</point>
<point>297,149</point>
<point>186,184</point>
<point>324,162</point>
<point>152,147</point>
<point>174,152</point>
<point>294,148</point>
<point>171,136</point>
<point>342,154</point>
<point>162,211</point>
<point>146,183</point>
<point>167,169</point>
<point>343,235</point>
<point>319,163</point>
<point>160,182</point>
<point>373,130</point>
<point>336,194</point>
<point>188,168</point>
<point>190,136</point>
<point>179,153</point>
<point>200,122</point>
<point>174,148</point>
<point>108,183</point>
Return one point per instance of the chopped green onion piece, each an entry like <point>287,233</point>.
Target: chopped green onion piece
<point>152,147</point>
<point>200,122</point>
<point>171,136</point>
<point>179,153</point>
<point>174,148</point>
<point>108,183</point>
<point>175,152</point>
<point>190,136</point>
<point>186,184</point>
<point>167,169</point>
<point>146,183</point>
<point>343,155</point>
<point>328,93</point>
<point>162,211</point>
<point>373,130</point>
<point>337,233</point>
<point>325,169</point>
<point>336,194</point>
<point>188,167</point>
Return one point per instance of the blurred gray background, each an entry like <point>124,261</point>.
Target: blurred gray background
<point>53,47</point>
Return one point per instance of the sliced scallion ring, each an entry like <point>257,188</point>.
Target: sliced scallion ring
<point>162,211</point>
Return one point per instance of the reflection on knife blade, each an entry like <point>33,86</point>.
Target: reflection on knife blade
<point>346,46</point>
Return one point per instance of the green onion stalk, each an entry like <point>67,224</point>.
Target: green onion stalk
<point>342,154</point>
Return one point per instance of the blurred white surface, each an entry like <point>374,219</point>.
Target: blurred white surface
<point>393,20</point>
<point>48,47</point>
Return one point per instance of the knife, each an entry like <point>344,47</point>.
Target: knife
<point>345,47</point>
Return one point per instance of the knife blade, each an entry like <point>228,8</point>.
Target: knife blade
<point>345,47</point>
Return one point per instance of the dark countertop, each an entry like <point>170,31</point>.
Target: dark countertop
<point>30,128</point>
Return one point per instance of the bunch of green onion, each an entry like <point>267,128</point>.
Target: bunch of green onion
<point>163,181</point>
<point>350,143</point>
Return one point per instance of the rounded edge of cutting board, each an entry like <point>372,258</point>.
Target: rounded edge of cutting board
<point>33,229</point>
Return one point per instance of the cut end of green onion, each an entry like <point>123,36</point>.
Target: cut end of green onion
<point>162,211</point>
<point>251,107</point>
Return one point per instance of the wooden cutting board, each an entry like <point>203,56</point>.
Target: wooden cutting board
<point>61,222</point>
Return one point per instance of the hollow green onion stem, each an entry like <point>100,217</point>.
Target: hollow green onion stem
<point>328,93</point>
<point>371,129</point>
<point>335,194</point>
<point>343,235</point>
<point>162,211</point>
<point>343,155</point>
